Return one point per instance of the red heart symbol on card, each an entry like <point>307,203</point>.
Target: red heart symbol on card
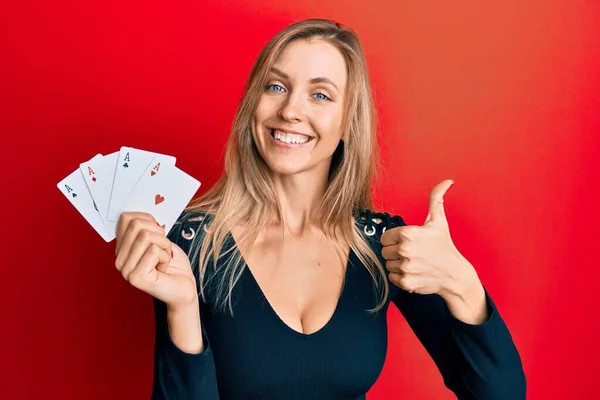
<point>158,199</point>
<point>152,173</point>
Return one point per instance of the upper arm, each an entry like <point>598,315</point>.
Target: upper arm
<point>425,314</point>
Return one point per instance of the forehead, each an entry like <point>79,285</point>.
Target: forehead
<point>304,60</point>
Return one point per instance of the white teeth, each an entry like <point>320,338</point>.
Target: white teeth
<point>290,137</point>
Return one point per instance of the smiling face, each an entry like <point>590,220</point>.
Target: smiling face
<point>297,122</point>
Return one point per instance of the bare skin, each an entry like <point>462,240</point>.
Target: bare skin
<point>301,278</point>
<point>301,274</point>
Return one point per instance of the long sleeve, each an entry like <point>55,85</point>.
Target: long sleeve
<point>179,375</point>
<point>476,361</point>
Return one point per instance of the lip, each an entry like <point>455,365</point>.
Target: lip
<point>272,128</point>
<point>288,145</point>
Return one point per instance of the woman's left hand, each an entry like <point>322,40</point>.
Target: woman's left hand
<point>423,259</point>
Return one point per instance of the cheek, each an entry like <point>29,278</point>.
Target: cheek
<point>329,125</point>
<point>261,110</point>
<point>261,114</point>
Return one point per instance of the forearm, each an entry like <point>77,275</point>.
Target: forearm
<point>185,328</point>
<point>466,298</point>
<point>493,368</point>
<point>470,306</point>
<point>183,365</point>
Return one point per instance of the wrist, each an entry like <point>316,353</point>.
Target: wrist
<point>185,328</point>
<point>184,309</point>
<point>462,282</point>
<point>466,299</point>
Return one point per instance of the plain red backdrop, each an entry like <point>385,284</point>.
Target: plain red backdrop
<point>502,97</point>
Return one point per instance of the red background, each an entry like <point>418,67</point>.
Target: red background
<point>502,97</point>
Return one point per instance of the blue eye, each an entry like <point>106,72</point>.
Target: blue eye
<point>271,87</point>
<point>323,97</point>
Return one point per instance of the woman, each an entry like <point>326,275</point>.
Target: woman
<point>275,283</point>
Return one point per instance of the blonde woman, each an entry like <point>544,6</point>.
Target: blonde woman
<point>275,283</point>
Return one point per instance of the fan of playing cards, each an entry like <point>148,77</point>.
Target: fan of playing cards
<point>128,180</point>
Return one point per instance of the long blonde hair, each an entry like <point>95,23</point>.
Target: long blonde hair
<point>245,191</point>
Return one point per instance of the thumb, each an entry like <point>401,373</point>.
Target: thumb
<point>164,258</point>
<point>436,201</point>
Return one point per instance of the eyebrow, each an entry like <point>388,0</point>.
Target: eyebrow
<point>320,79</point>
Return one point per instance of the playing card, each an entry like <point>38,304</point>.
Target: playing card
<point>162,192</point>
<point>99,174</point>
<point>75,190</point>
<point>130,166</point>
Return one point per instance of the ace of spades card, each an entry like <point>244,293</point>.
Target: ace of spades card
<point>153,185</point>
<point>76,191</point>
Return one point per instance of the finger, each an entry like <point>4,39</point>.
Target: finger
<point>395,266</point>
<point>399,234</point>
<point>402,250</point>
<point>130,236</point>
<point>390,253</point>
<point>390,237</point>
<point>145,274</point>
<point>395,279</point>
<point>404,281</point>
<point>404,266</point>
<point>125,220</point>
<point>144,240</point>
<point>436,201</point>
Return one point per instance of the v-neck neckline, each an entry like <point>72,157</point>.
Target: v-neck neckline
<point>276,316</point>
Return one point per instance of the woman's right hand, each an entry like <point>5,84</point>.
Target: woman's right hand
<point>149,261</point>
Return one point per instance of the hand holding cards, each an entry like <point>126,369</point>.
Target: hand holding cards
<point>102,188</point>
<point>149,261</point>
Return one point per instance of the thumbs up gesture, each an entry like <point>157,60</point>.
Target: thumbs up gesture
<point>423,259</point>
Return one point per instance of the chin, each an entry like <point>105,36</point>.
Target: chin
<point>285,168</point>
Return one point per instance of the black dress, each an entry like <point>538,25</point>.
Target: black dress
<point>255,355</point>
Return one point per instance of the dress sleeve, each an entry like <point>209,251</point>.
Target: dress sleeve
<point>177,374</point>
<point>475,361</point>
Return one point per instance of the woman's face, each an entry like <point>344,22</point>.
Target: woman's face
<point>297,123</point>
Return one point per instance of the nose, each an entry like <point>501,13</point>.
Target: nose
<point>291,109</point>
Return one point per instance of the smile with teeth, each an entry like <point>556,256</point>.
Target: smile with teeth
<point>289,138</point>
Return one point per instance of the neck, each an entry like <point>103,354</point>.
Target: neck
<point>300,196</point>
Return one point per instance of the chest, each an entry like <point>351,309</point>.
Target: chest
<point>300,278</point>
<point>258,355</point>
